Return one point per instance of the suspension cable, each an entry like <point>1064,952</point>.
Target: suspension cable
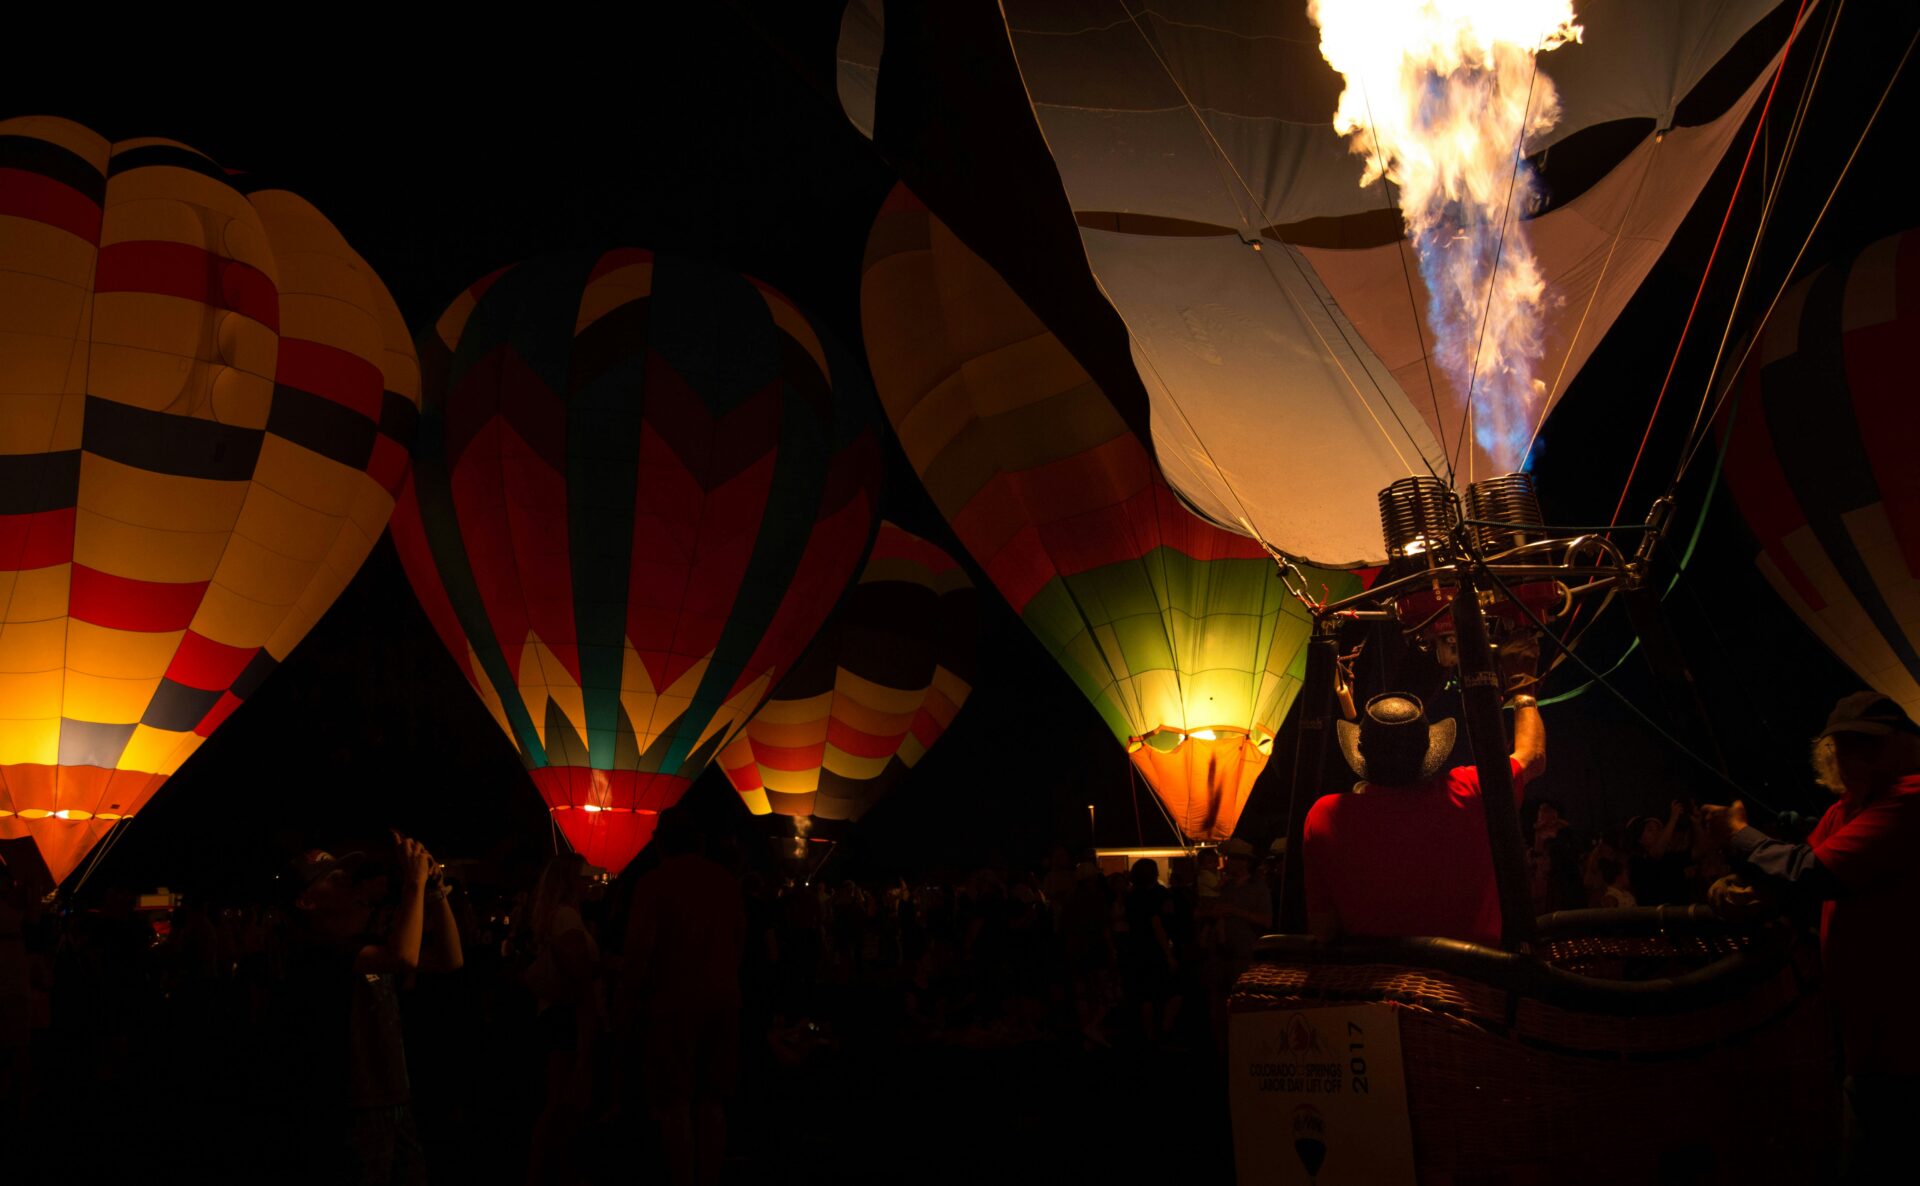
<point>1706,272</point>
<point>1701,437</point>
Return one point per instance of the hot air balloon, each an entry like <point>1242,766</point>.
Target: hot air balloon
<point>1177,631</point>
<point>857,60</point>
<point>872,694</point>
<point>1819,460</point>
<point>208,402</point>
<point>1270,303</point>
<point>641,485</point>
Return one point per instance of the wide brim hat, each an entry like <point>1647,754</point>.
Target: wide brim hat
<point>1395,726</point>
<point>1869,714</point>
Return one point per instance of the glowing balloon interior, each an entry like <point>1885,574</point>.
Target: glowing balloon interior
<point>872,694</point>
<point>208,402</point>
<point>1186,134</point>
<point>1177,631</point>
<point>641,485</point>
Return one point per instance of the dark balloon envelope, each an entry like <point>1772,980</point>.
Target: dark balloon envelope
<point>208,400</point>
<point>642,483</point>
<point>1820,458</point>
<point>877,688</point>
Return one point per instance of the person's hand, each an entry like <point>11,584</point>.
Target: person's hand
<point>1519,663</point>
<point>1734,900</point>
<point>1722,822</point>
<point>414,859</point>
<point>1676,809</point>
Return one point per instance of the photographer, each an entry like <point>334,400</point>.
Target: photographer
<point>362,928</point>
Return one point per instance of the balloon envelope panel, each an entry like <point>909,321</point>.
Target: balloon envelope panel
<point>642,483</point>
<point>1820,445</point>
<point>1194,131</point>
<point>208,399</point>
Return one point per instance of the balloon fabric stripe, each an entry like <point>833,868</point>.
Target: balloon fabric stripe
<point>1810,413</point>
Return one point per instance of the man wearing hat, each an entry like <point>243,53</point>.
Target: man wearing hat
<point>1862,864</point>
<point>1405,852</point>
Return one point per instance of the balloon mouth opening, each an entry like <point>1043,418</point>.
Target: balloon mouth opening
<point>73,814</point>
<point>595,807</point>
<point>1167,738</point>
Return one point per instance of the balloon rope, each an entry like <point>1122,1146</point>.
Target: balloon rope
<point>1772,196</point>
<point>99,854</point>
<point>1593,295</point>
<point>1680,569</point>
<point>1780,177</point>
<point>1133,786</point>
<point>1493,274</point>
<point>1658,730</point>
<point>1707,272</point>
<point>1702,437</point>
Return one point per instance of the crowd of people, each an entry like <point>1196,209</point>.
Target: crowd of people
<point>375,1012</point>
<point>1666,860</point>
<point>349,994</point>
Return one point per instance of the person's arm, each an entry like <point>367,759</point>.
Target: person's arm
<point>1529,739</point>
<point>1795,869</point>
<point>1872,849</point>
<point>1323,916</point>
<point>440,949</point>
<point>1663,844</point>
<point>440,943</point>
<point>401,952</point>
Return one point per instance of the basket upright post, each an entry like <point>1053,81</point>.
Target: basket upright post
<point>1309,760</point>
<point>1480,696</point>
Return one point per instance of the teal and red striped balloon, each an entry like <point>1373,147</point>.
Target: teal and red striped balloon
<point>641,485</point>
<point>1821,460</point>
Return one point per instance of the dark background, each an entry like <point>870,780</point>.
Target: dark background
<point>444,154</point>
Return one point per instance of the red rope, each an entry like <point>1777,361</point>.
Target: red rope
<point>1726,218</point>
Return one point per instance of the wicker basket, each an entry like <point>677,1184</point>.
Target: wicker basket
<point>1523,1071</point>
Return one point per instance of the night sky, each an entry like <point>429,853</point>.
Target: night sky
<point>717,133</point>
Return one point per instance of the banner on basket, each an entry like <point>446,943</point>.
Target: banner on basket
<point>1319,1098</point>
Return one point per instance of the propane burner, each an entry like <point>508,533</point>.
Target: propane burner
<point>1509,500</point>
<point>1417,515</point>
<point>1421,517</point>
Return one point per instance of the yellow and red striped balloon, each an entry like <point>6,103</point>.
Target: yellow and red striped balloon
<point>206,401</point>
<point>878,687</point>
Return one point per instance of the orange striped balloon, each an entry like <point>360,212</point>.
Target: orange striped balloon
<point>206,401</point>
<point>878,687</point>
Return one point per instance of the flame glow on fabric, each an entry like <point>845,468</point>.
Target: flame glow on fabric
<point>1178,632</point>
<point>208,401</point>
<point>1441,96</point>
<point>1184,132</point>
<point>1821,460</point>
<point>873,693</point>
<point>641,485</point>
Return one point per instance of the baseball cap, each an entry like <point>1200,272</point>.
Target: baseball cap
<point>1869,713</point>
<point>313,864</point>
